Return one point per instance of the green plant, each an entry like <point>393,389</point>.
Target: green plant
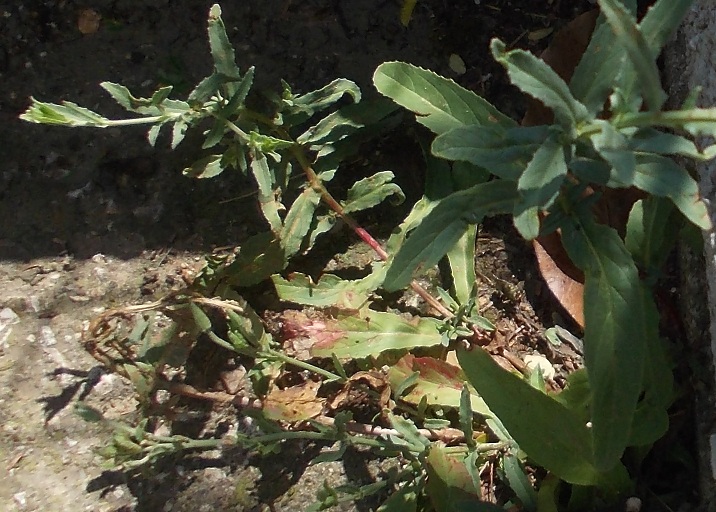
<point>608,133</point>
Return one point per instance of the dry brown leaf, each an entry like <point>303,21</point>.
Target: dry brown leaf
<point>298,403</point>
<point>88,21</point>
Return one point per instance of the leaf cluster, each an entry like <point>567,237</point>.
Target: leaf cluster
<point>609,131</point>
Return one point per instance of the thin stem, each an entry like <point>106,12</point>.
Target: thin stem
<point>273,354</point>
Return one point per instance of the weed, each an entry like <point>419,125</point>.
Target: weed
<point>446,422</point>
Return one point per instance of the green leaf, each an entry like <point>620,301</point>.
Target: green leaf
<point>207,167</point>
<point>602,67</point>
<point>505,153</point>
<point>654,141</point>
<point>329,291</point>
<point>371,191</point>
<point>371,334</point>
<point>440,104</point>
<point>260,256</point>
<point>158,105</point>
<point>88,413</point>
<point>299,109</point>
<point>630,38</point>
<point>450,486</point>
<point>663,177</point>
<point>298,221</point>
<point>221,50</point>
<point>617,331</point>
<point>466,416</point>
<point>613,147</point>
<point>651,232</point>
<point>66,114</point>
<point>550,433</point>
<point>660,22</point>
<point>268,200</point>
<point>462,264</point>
<point>438,383</point>
<point>405,499</point>
<point>519,482</point>
<point>408,432</point>
<point>440,229</point>
<point>540,184</point>
<point>346,121</point>
<point>534,77</point>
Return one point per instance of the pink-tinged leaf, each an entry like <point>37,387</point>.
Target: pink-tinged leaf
<point>372,333</point>
<point>450,486</point>
<point>438,381</point>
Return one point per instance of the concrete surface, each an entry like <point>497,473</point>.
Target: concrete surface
<point>689,62</point>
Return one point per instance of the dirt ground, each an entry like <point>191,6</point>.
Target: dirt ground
<point>97,219</point>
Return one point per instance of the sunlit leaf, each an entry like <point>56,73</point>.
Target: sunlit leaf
<point>298,221</point>
<point>444,225</point>
<point>504,153</point>
<point>67,114</point>
<point>300,108</point>
<point>450,486</point>
<point>330,290</point>
<point>372,334</point>
<point>207,167</point>
<point>462,264</point>
<point>438,381</point>
<point>440,103</point>
<point>371,191</point>
<point>550,433</point>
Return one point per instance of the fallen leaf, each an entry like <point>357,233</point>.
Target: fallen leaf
<point>298,403</point>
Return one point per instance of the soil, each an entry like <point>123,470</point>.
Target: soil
<point>96,219</point>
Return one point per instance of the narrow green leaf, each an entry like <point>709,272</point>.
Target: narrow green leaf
<point>301,108</point>
<point>67,114</point>
<point>444,225</point>
<point>298,221</point>
<point>260,257</point>
<point>207,167</point>
<point>371,191</point>
<point>405,499</point>
<point>663,177</point>
<point>632,40</point>
<point>534,77</point>
<point>654,141</point>
<point>551,434</point>
<point>651,232</point>
<point>540,184</point>
<point>661,21</point>
<point>505,153</point>
<point>329,291</point>
<point>440,103</point>
<point>613,147</point>
<point>408,431</point>
<point>519,482</point>
<point>617,331</point>
<point>346,121</point>
<point>372,334</point>
<point>461,258</point>
<point>602,67</point>
<point>466,416</point>
<point>268,200</point>
<point>221,50</point>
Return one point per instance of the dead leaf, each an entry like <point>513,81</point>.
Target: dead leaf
<point>356,392</point>
<point>88,21</point>
<point>298,403</point>
<point>564,280</point>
